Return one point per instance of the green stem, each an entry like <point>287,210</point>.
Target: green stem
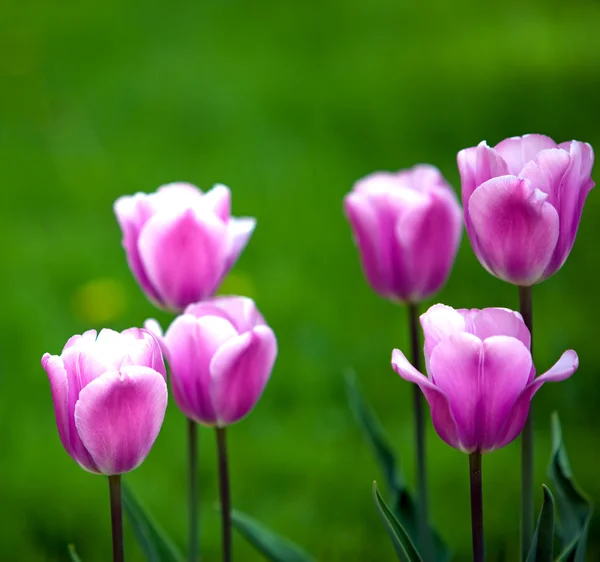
<point>194,524</point>
<point>116,517</point>
<point>224,493</point>
<point>425,541</point>
<point>527,511</point>
<point>476,506</point>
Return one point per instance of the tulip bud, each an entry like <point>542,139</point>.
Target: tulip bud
<point>110,397</point>
<point>407,226</point>
<point>220,354</point>
<point>180,243</point>
<point>481,375</point>
<point>523,201</point>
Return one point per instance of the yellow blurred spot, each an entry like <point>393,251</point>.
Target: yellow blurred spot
<point>99,301</point>
<point>238,284</point>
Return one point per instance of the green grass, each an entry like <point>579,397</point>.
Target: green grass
<point>288,104</point>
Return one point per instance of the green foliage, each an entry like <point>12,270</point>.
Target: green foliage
<point>574,508</point>
<point>274,547</point>
<point>403,546</point>
<point>542,545</point>
<point>155,544</point>
<point>73,554</point>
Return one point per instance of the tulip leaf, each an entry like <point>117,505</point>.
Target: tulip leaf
<point>73,554</point>
<point>274,547</point>
<point>402,502</point>
<point>155,544</point>
<point>574,508</point>
<point>542,546</point>
<point>404,547</point>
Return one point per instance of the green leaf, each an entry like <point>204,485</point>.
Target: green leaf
<point>542,546</point>
<point>155,544</point>
<point>402,502</point>
<point>404,547</point>
<point>574,508</point>
<point>274,547</point>
<point>73,554</point>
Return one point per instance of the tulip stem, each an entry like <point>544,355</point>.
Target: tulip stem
<point>194,523</point>
<point>476,506</point>
<point>422,507</point>
<point>116,517</point>
<point>527,512</point>
<point>224,492</point>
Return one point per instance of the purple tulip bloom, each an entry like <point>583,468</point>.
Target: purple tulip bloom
<point>481,375</point>
<point>180,242</point>
<point>110,395</point>
<point>407,226</point>
<point>220,354</point>
<point>523,201</point>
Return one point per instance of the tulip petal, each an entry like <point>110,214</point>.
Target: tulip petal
<point>59,385</point>
<point>516,228</point>
<point>455,368</point>
<point>367,232</point>
<point>517,151</point>
<point>240,370</point>
<point>562,369</point>
<point>218,200</point>
<point>184,255</point>
<point>191,344</point>
<point>119,415</point>
<point>506,368</point>
<point>132,214</point>
<point>240,311</point>
<point>467,162</point>
<point>443,420</point>
<point>176,197</point>
<point>430,252</point>
<point>439,322</point>
<point>144,350</point>
<point>572,194</point>
<point>239,231</point>
<point>496,322</point>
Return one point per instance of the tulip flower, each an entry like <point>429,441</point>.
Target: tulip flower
<point>523,201</point>
<point>407,226</point>
<point>481,377</point>
<point>220,354</point>
<point>180,242</point>
<point>110,396</point>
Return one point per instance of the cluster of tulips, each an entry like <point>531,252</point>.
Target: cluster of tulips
<point>522,203</point>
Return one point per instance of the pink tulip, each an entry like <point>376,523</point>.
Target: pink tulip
<point>481,375</point>
<point>407,226</point>
<point>523,201</point>
<point>220,354</point>
<point>110,397</point>
<point>180,242</point>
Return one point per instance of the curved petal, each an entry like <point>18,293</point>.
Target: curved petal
<point>83,340</point>
<point>438,322</point>
<point>430,236</point>
<point>176,197</point>
<point>517,151</point>
<point>132,213</point>
<point>184,255</point>
<point>467,161</point>
<point>240,370</point>
<point>516,228</point>
<point>573,191</point>
<point>240,311</point>
<point>442,417</point>
<point>506,367</point>
<point>489,164</point>
<point>546,173</point>
<point>191,344</point>
<point>59,385</point>
<point>218,200</point>
<point>496,322</point>
<point>422,177</point>
<point>563,369</point>
<point>455,365</point>
<point>145,350</point>
<point>239,231</point>
<point>118,417</point>
<point>363,219</point>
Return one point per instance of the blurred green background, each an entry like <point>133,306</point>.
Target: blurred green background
<point>288,104</point>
